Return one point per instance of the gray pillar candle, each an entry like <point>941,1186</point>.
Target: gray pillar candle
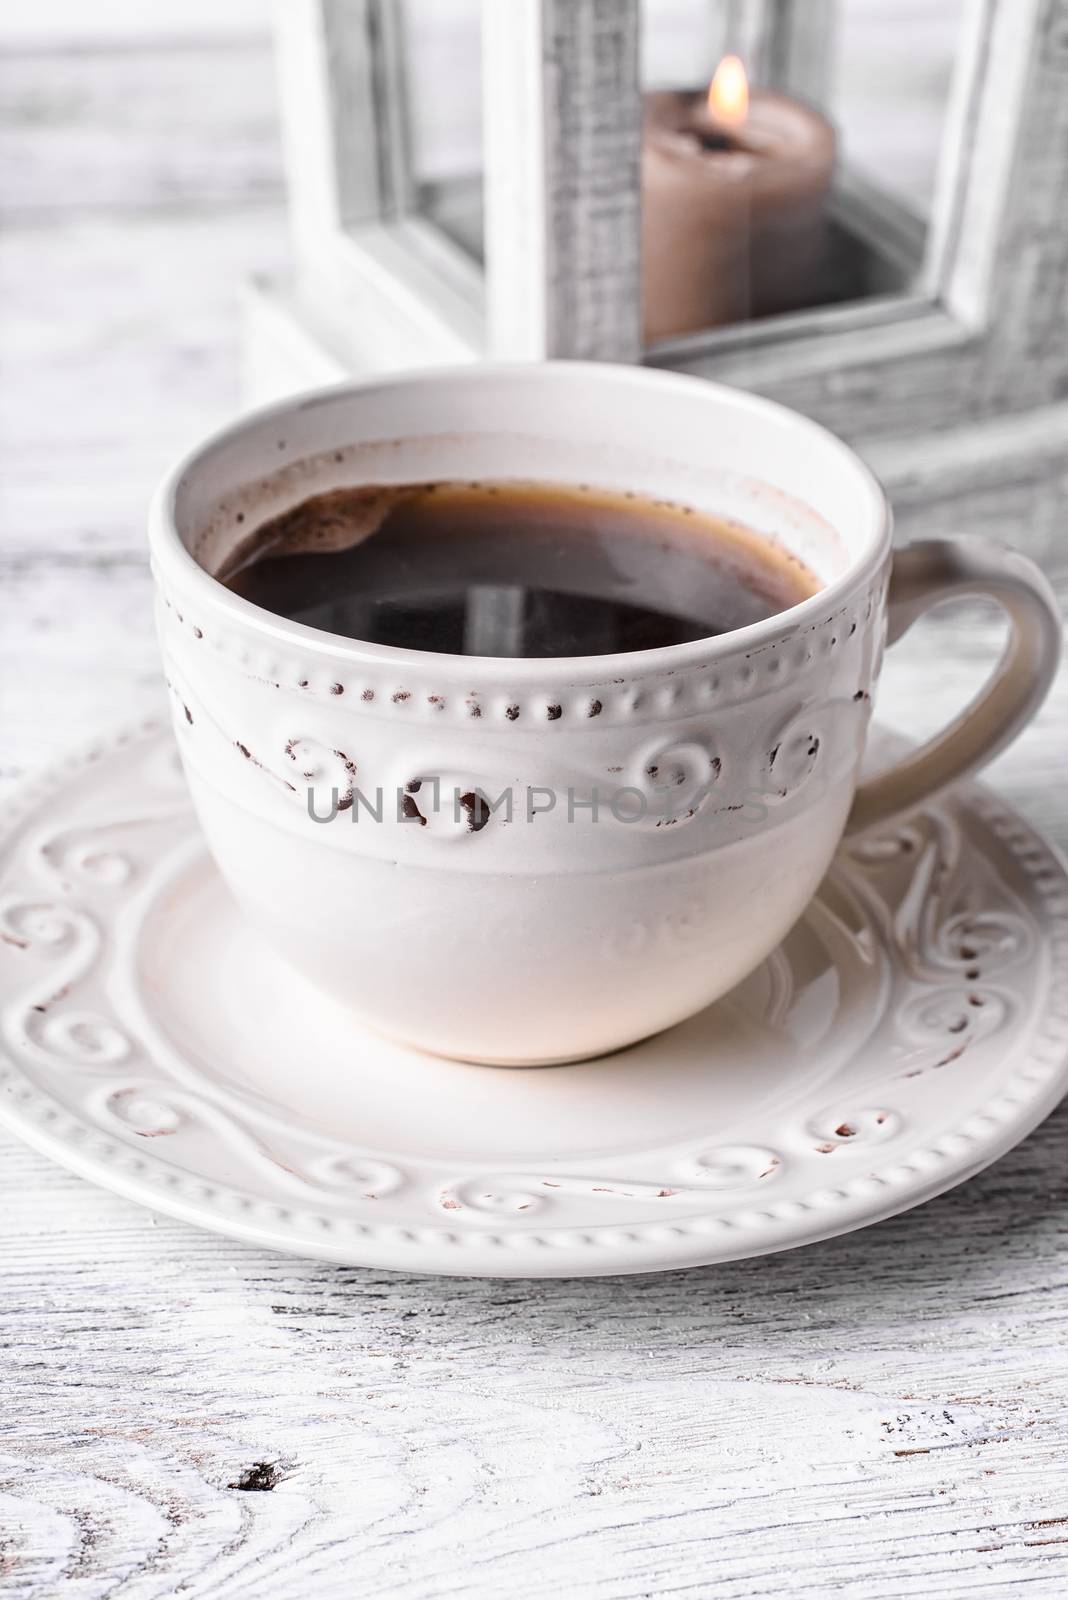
<point>734,188</point>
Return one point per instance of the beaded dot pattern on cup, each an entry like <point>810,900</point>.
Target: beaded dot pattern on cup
<point>382,690</point>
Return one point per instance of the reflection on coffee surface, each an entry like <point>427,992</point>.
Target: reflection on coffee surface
<point>513,569</point>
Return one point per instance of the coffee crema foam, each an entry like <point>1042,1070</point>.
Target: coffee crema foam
<point>512,568</point>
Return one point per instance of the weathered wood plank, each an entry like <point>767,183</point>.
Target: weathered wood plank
<point>106,129</point>
<point>118,349</point>
<point>878,1416</point>
<point>69,24</point>
<point>1006,478</point>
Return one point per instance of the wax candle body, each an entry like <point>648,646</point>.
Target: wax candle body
<point>733,219</point>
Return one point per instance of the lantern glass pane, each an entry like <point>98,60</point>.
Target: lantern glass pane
<point>822,188</point>
<point>441,84</point>
<point>893,66</point>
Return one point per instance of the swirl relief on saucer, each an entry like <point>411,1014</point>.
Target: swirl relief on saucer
<point>912,1027</point>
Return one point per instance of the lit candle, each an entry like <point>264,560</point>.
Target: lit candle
<point>734,185</point>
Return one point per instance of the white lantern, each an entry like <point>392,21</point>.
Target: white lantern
<point>465,182</point>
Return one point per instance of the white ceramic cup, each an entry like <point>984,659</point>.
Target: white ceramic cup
<point>557,934</point>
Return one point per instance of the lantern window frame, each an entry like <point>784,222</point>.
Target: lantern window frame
<point>381,287</point>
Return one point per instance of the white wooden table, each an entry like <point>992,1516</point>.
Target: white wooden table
<point>884,1415</point>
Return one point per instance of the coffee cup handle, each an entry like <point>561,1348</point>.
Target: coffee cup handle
<point>925,575</point>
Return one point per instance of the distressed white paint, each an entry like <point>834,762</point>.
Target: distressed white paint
<point>884,1416</point>
<point>562,131</point>
<point>980,156</point>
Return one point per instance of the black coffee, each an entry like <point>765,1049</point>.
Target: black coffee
<point>512,569</point>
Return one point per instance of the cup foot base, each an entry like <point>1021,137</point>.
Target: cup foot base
<point>519,1062</point>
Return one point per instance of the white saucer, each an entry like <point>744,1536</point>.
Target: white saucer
<point>910,1030</point>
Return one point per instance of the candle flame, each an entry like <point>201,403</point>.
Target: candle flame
<point>728,93</point>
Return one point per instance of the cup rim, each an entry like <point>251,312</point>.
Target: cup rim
<point>168,549</point>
